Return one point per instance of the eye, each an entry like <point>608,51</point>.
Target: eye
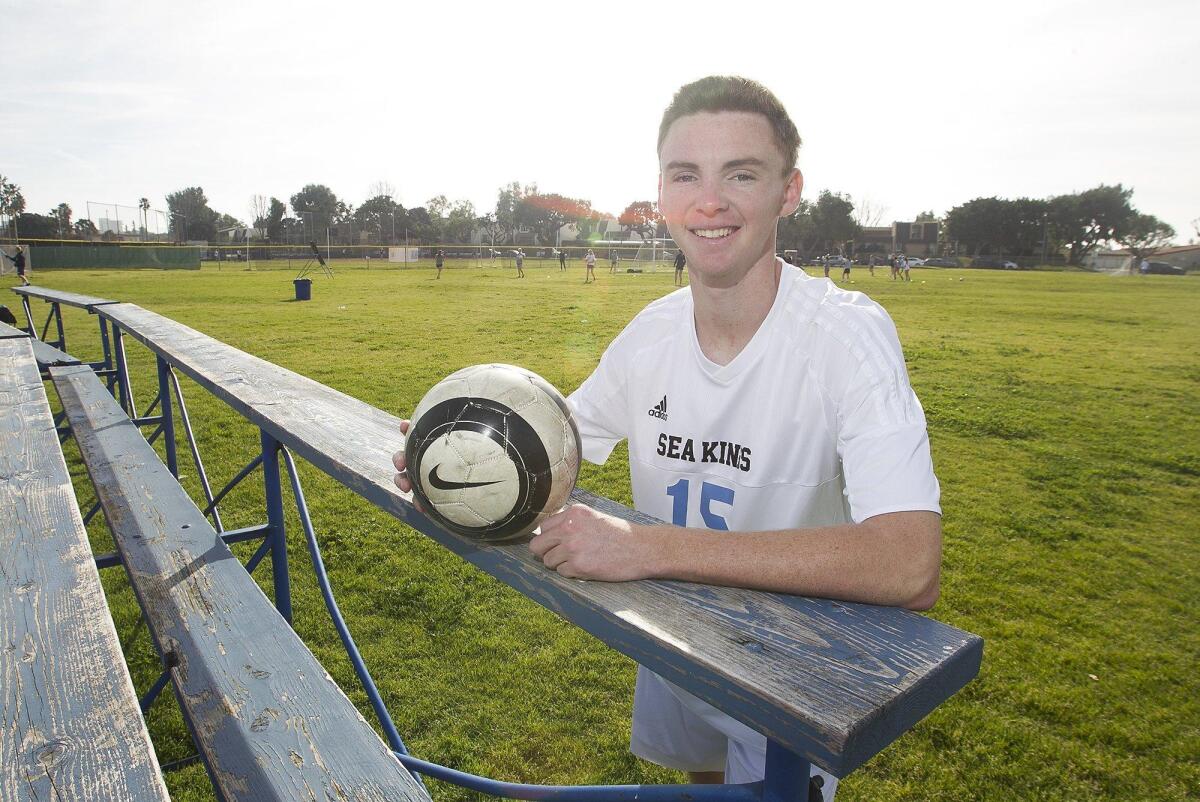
<point>743,177</point>
<point>683,178</point>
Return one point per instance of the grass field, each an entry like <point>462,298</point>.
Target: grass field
<point>1064,413</point>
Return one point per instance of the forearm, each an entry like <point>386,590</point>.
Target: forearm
<point>890,559</point>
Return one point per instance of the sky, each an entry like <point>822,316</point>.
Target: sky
<point>904,106</point>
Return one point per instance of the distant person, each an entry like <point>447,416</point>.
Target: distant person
<point>590,261</point>
<point>871,265</point>
<point>613,258</point>
<point>520,263</point>
<point>562,259</point>
<point>895,265</point>
<point>440,261</point>
<point>19,263</point>
<point>1144,267</point>
<point>680,261</point>
<point>825,263</point>
<point>904,267</point>
<point>846,268</point>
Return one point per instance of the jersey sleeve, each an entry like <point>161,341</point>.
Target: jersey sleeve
<point>882,437</point>
<point>600,408</point>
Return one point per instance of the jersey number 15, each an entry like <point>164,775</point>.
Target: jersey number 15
<point>709,493</point>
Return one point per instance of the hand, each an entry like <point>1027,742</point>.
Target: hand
<point>581,543</point>
<point>401,478</point>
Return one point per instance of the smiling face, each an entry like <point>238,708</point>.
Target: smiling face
<point>723,185</point>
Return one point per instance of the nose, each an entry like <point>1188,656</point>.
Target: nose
<point>712,198</point>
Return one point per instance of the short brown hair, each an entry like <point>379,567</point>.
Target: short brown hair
<point>732,93</point>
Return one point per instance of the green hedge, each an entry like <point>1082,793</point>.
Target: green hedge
<point>45,257</point>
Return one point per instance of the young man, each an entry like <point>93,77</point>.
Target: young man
<point>520,255</point>
<point>19,263</point>
<point>845,269</point>
<point>439,261</point>
<point>769,419</point>
<point>562,260</point>
<point>680,261</point>
<point>792,403</point>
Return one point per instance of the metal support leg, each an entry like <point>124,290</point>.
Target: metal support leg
<point>786,778</point>
<point>124,391</point>
<point>168,419</point>
<point>28,316</point>
<point>110,375</point>
<point>62,335</point>
<point>278,536</point>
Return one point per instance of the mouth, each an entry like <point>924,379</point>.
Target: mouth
<point>715,233</point>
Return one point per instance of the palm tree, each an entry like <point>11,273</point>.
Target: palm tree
<point>144,205</point>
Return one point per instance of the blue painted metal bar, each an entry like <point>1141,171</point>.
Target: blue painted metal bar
<point>146,701</point>
<point>242,474</point>
<point>246,533</point>
<point>191,438</point>
<point>147,420</point>
<point>113,559</point>
<point>749,792</point>
<point>108,361</point>
<point>91,513</point>
<point>786,777</point>
<point>168,418</point>
<point>278,536</point>
<point>154,435</point>
<point>360,666</point>
<point>263,551</point>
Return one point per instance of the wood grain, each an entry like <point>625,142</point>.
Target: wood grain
<point>268,720</point>
<point>835,682</point>
<point>70,727</point>
<point>88,302</point>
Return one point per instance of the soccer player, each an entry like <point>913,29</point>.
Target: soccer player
<point>439,261</point>
<point>612,259</point>
<point>769,418</point>
<point>562,260</point>
<point>520,255</point>
<point>590,261</point>
<point>680,261</point>
<point>846,269</point>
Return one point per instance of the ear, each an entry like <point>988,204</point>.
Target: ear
<point>791,192</point>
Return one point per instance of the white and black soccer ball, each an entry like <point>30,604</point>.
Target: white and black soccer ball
<point>492,450</point>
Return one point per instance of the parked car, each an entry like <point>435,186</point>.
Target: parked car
<point>914,261</point>
<point>1165,269</point>
<point>835,261</point>
<point>994,263</point>
<point>942,261</point>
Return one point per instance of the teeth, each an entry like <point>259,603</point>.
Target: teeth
<point>712,233</point>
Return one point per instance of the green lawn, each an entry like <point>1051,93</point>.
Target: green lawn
<point>1064,414</point>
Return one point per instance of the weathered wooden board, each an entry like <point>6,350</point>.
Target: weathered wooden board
<point>88,302</point>
<point>70,727</point>
<point>835,682</point>
<point>7,332</point>
<point>269,721</point>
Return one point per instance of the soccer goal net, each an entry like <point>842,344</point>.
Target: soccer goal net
<point>654,254</point>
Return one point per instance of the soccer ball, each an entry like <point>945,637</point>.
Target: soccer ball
<point>491,451</point>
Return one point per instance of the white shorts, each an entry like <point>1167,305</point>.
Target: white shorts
<point>673,728</point>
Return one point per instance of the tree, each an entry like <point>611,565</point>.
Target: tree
<point>460,223</point>
<point>381,187</point>
<point>144,208</point>
<point>382,214</point>
<point>274,222</point>
<point>1084,220</point>
<point>318,207</point>
<point>546,214</point>
<point>438,206</point>
<point>1144,235</point>
<point>926,217</point>
<point>833,219</point>
<point>493,229</point>
<point>509,212</point>
<point>641,217</point>
<point>62,217</point>
<point>869,214</point>
<point>85,228</point>
<point>191,218</point>
<point>12,202</point>
<point>975,225</point>
<point>37,226</point>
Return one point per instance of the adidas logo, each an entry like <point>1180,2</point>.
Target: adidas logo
<point>659,410</point>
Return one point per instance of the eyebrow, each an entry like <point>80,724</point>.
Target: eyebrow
<point>730,165</point>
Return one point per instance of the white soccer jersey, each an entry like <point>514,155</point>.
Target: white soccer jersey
<point>813,423</point>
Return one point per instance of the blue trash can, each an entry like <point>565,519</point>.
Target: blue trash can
<point>303,289</point>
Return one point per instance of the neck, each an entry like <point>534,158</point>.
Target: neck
<point>727,317</point>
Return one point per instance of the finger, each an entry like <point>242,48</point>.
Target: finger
<point>404,424</point>
<point>399,460</point>
<point>541,543</point>
<point>402,481</point>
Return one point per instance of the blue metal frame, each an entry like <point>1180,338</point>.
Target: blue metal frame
<point>787,774</point>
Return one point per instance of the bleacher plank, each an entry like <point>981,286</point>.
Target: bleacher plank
<point>70,727</point>
<point>833,681</point>
<point>7,332</point>
<point>88,302</point>
<point>46,355</point>
<point>269,721</point>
